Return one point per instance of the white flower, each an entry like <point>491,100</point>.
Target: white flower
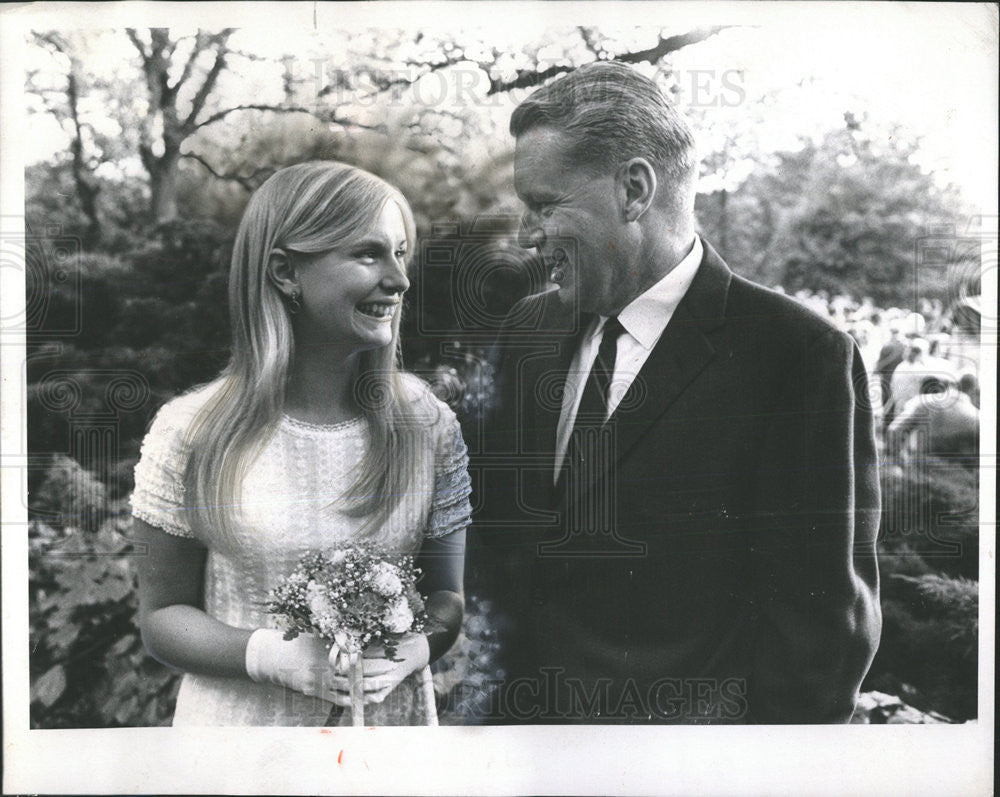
<point>398,618</point>
<point>319,603</point>
<point>385,581</point>
<point>337,557</point>
<point>328,624</point>
<point>320,606</point>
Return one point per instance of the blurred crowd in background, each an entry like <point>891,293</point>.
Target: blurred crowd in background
<point>923,368</point>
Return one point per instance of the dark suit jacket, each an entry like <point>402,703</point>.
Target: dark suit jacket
<point>718,564</point>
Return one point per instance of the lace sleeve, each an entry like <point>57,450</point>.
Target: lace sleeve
<point>158,498</point>
<point>450,507</point>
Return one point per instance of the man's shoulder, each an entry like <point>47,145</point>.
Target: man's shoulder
<point>760,314</point>
<point>779,314</point>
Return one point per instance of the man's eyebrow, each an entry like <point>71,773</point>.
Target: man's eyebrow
<point>538,196</point>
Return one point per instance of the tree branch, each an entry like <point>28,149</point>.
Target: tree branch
<point>53,39</point>
<point>137,42</point>
<point>249,183</point>
<point>251,56</point>
<point>198,103</point>
<point>87,187</point>
<point>526,78</point>
<point>51,98</point>
<point>588,38</point>
<point>383,83</point>
<point>219,115</point>
<point>671,44</point>
<point>196,50</point>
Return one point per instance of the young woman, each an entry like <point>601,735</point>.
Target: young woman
<point>311,437</point>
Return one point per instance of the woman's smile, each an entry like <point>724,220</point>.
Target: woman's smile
<point>383,311</point>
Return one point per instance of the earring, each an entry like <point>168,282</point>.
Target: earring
<point>293,301</point>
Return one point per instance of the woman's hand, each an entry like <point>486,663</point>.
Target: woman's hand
<point>381,674</point>
<point>303,664</point>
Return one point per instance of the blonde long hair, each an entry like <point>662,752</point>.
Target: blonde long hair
<point>307,208</point>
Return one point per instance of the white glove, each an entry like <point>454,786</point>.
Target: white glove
<point>381,675</point>
<point>303,664</point>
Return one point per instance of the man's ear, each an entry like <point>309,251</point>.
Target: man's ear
<point>637,181</point>
<point>281,272</point>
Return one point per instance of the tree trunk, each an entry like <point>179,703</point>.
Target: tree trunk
<point>87,187</point>
<point>163,187</point>
<point>87,192</point>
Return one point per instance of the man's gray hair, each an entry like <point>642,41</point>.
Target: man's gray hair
<point>611,113</point>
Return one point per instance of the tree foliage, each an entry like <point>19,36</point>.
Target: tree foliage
<point>177,84</point>
<point>844,215</point>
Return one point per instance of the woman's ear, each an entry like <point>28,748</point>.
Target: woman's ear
<point>637,182</point>
<point>281,272</point>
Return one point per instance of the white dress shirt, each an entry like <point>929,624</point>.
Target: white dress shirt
<point>644,320</point>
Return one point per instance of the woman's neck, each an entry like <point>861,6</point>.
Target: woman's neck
<point>321,385</point>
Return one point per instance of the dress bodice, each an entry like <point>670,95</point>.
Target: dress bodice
<point>289,504</point>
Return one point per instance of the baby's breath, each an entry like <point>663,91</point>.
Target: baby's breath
<point>352,597</point>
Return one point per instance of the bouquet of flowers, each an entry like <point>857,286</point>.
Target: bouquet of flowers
<point>351,597</point>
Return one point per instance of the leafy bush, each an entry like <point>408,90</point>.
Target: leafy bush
<point>929,560</point>
<point>70,495</point>
<point>929,644</point>
<point>88,665</point>
<point>931,511</point>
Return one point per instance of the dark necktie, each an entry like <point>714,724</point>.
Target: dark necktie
<point>593,410</point>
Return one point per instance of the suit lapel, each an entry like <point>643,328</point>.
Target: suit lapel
<point>679,356</point>
<point>682,352</point>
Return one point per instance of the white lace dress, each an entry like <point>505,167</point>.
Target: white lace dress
<point>285,512</point>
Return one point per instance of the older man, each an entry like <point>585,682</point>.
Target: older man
<point>680,495</point>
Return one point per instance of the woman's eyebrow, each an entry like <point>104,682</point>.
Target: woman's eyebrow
<point>370,241</point>
<point>378,243</point>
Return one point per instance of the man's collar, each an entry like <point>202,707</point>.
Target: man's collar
<point>645,317</point>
